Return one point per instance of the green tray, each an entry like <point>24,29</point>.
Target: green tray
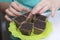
<point>16,33</point>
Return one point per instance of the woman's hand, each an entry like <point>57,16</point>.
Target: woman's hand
<point>45,5</point>
<point>14,10</point>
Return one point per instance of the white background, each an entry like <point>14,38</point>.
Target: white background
<point>55,34</point>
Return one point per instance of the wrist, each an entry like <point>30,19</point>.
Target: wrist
<point>3,6</point>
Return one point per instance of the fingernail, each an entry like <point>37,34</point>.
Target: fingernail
<point>52,16</point>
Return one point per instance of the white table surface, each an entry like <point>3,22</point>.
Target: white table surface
<point>55,34</point>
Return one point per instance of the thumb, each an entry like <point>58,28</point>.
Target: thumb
<point>26,9</point>
<point>53,12</point>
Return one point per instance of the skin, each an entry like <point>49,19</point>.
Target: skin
<point>14,10</point>
<point>3,6</point>
<point>44,5</point>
